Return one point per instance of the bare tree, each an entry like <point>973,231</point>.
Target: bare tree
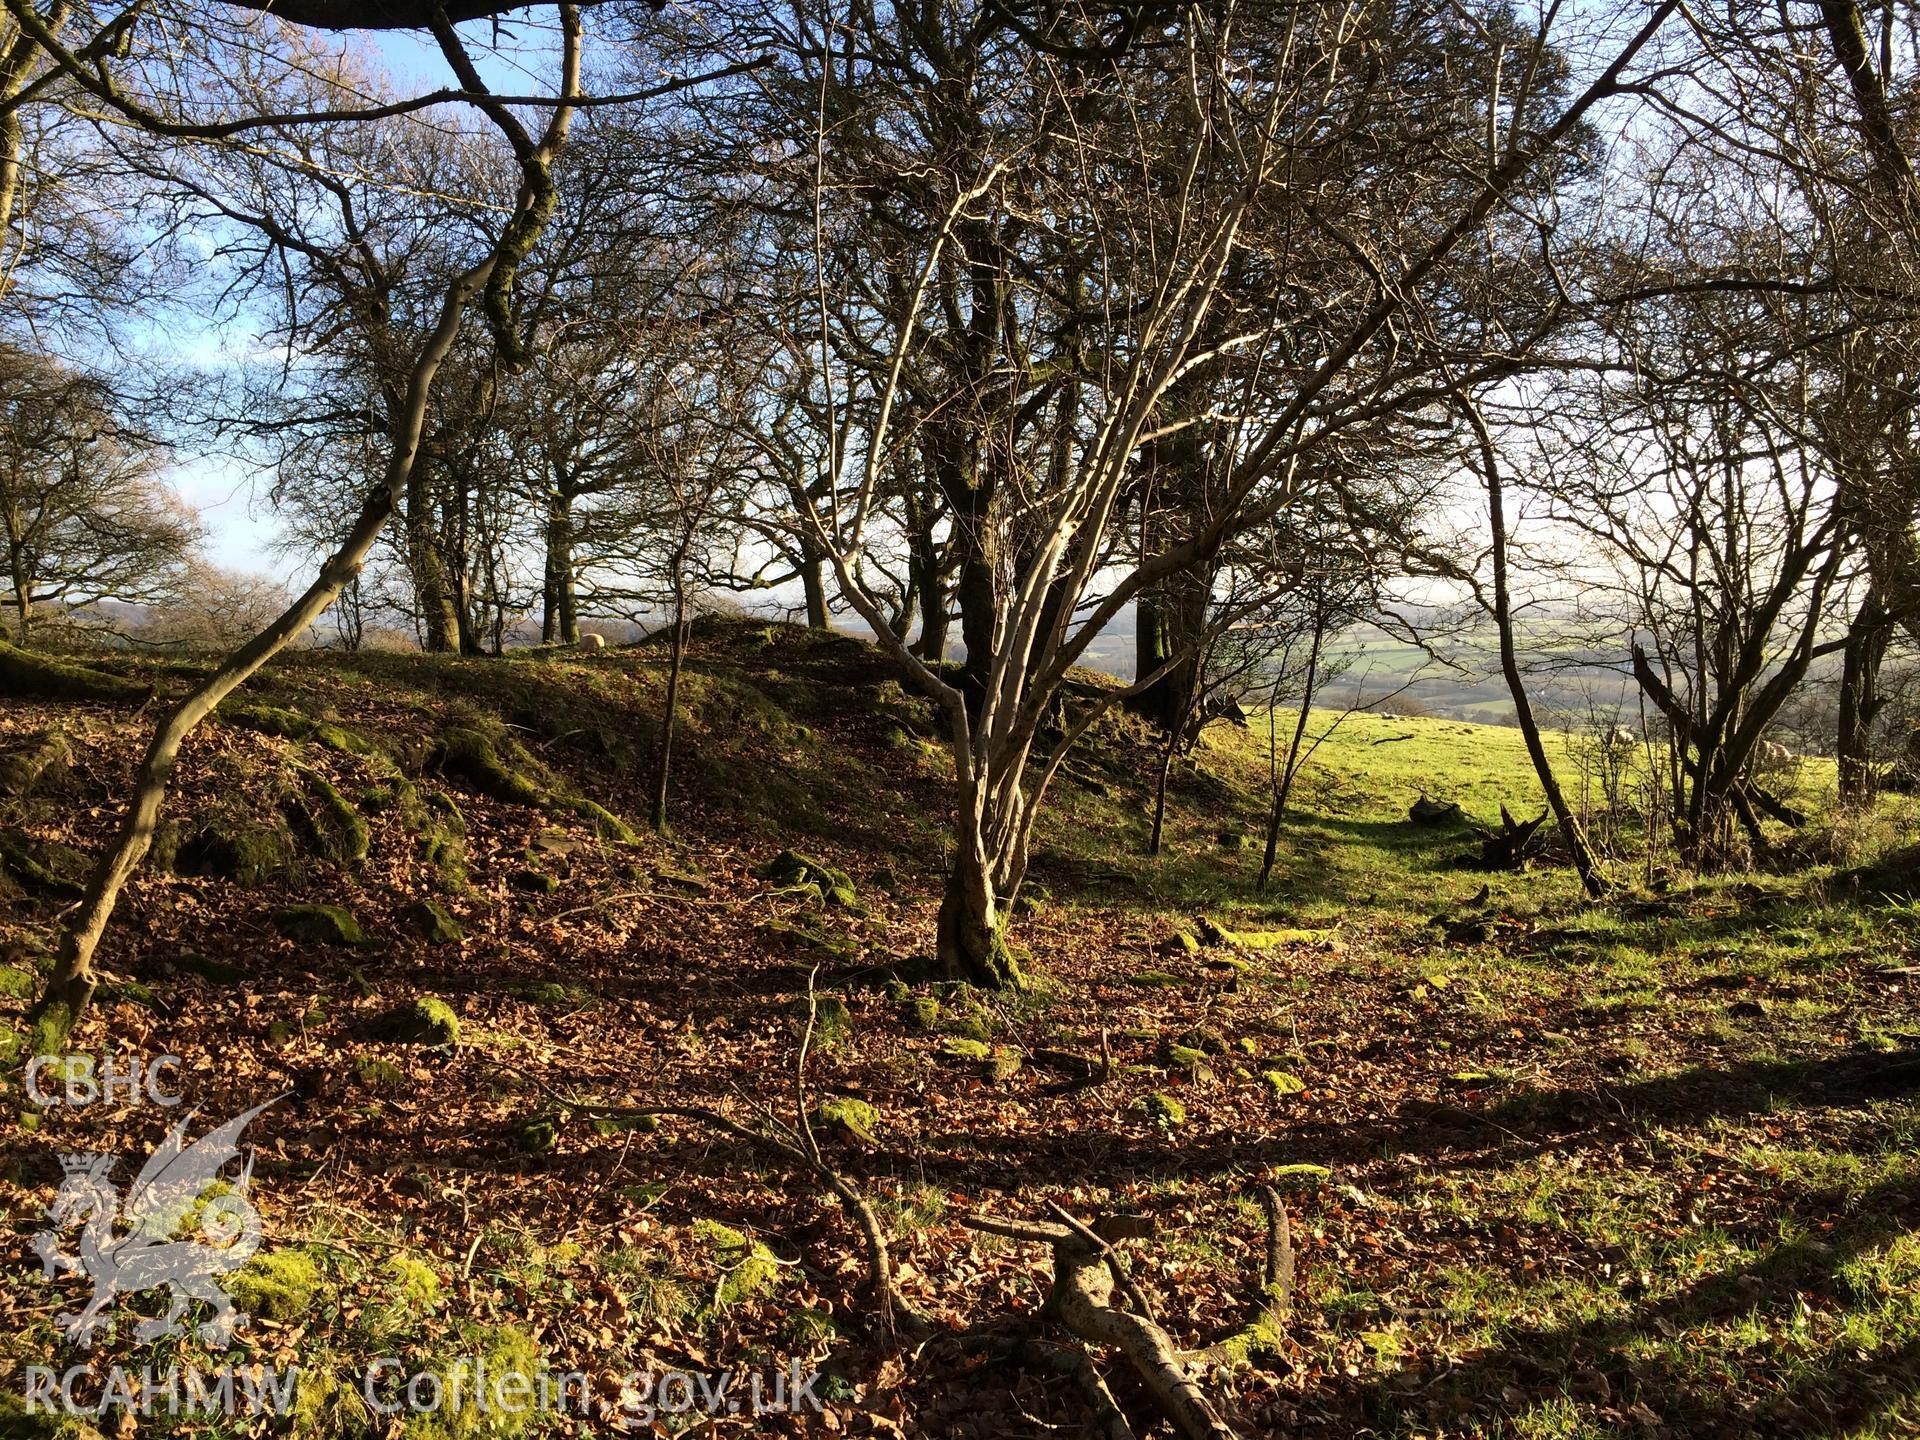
<point>85,515</point>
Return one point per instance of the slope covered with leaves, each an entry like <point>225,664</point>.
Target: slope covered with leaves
<point>1553,1169</point>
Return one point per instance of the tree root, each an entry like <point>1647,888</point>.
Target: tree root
<point>1087,1271</point>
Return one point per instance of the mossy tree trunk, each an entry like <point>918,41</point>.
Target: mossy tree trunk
<point>972,943</point>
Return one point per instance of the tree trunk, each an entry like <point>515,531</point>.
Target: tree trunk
<point>1584,861</point>
<point>924,557</point>
<point>1283,789</point>
<point>70,987</point>
<point>676,651</point>
<point>432,588</point>
<point>972,943</point>
<point>1860,699</point>
<point>813,583</point>
<point>559,620</point>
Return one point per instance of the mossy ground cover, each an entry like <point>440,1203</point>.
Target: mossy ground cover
<point>1555,1169</point>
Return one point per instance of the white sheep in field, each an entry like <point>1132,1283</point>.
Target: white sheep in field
<point>1620,737</point>
<point>590,641</point>
<point>1772,753</point>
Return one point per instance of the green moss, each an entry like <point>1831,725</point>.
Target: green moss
<point>971,1025</point>
<point>428,1020</point>
<point>325,1406</point>
<point>808,1329</point>
<point>1186,1056</point>
<point>339,832</point>
<point>1162,1109</point>
<point>319,925</point>
<point>43,866</point>
<point>854,1117</point>
<point>39,761</point>
<point>606,824</point>
<point>431,922</point>
<point>1264,1336</point>
<point>236,847</point>
<point>27,674</point>
<point>414,1283</point>
<point>218,971</point>
<point>1282,1082</point>
<point>1156,979</point>
<point>539,1133</point>
<point>17,1422</point>
<point>286,724</point>
<point>1300,1174</point>
<point>748,1268</point>
<point>555,993</point>
<point>275,1285</point>
<point>17,984</point>
<point>803,874</point>
<point>494,1353</point>
<point>921,1013</point>
<point>965,1047</point>
<point>48,1035</point>
<point>497,765</point>
<point>832,1022</point>
<point>377,1073</point>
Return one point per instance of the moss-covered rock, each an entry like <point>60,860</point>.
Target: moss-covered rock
<point>968,1025</point>
<point>427,1020</point>
<point>847,1115</point>
<point>35,764</point>
<point>921,1012</point>
<point>220,972</point>
<point>495,764</point>
<point>44,867</point>
<point>17,983</point>
<point>747,1267</point>
<point>800,873</point>
<point>556,993</point>
<point>430,921</point>
<point>538,1133</point>
<point>319,925</point>
<point>236,847</point>
<point>1162,1109</point>
<point>378,1073</point>
<point>275,1285</point>
<point>287,724</point>
<point>965,1047</point>
<point>606,824</point>
<point>30,675</point>
<point>336,828</point>
<point>1283,1082</point>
